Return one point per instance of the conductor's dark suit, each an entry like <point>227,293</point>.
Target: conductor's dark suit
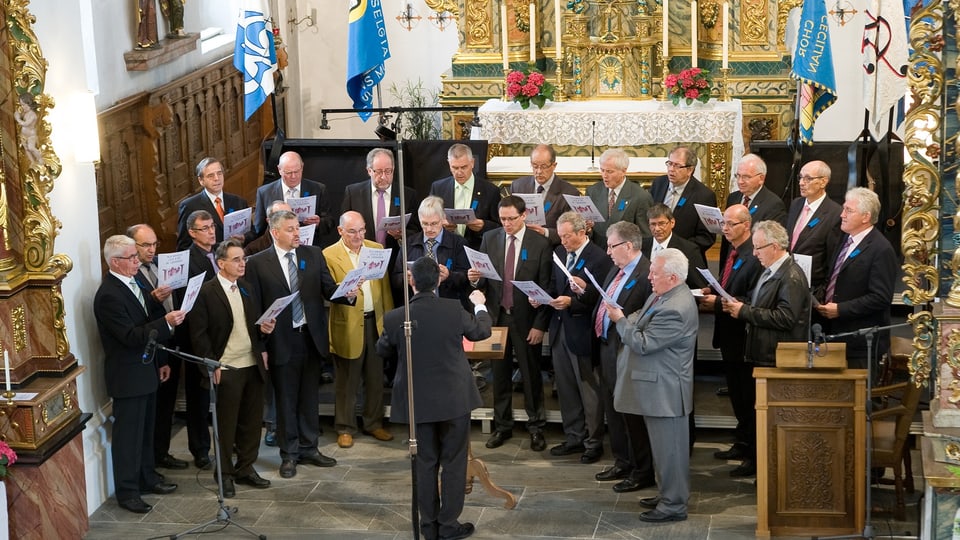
<point>275,191</point>
<point>444,393</point>
<point>688,221</point>
<point>819,239</point>
<point>124,329</point>
<point>200,201</point>
<point>533,264</point>
<point>294,355</point>
<point>484,203</point>
<point>553,202</point>
<point>240,392</point>
<point>632,204</point>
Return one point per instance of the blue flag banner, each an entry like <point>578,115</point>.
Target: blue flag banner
<point>367,50</point>
<point>255,56</point>
<point>813,66</point>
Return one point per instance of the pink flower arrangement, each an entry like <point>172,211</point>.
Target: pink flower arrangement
<point>526,87</point>
<point>691,84</point>
<point>7,458</point>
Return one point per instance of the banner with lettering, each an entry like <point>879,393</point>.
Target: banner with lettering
<point>813,66</point>
<point>254,55</point>
<point>367,50</point>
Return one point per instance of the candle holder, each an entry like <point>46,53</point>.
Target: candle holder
<point>558,94</point>
<point>506,71</point>
<point>665,70</point>
<point>724,75</point>
<point>9,395</point>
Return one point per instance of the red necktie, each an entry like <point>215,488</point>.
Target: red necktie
<point>602,309</point>
<point>728,267</point>
<point>506,301</point>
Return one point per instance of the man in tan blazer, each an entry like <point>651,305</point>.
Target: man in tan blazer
<point>354,331</point>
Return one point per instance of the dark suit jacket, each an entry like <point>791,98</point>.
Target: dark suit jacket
<point>268,282</point>
<point>864,292</point>
<point>631,297</point>
<point>533,264</point>
<point>779,314</point>
<point>199,263</point>
<point>443,383</point>
<point>690,250</point>
<point>576,323</point>
<point>553,202</point>
<point>632,205</point>
<point>274,191</point>
<point>486,197</point>
<point>211,321</point>
<point>450,254</point>
<point>729,332</point>
<point>357,197</point>
<point>124,329</point>
<point>819,239</point>
<point>688,223</point>
<point>200,201</point>
<point>765,205</point>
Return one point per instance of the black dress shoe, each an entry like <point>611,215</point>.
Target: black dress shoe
<point>464,530</point>
<point>229,490</point>
<point>202,462</point>
<point>656,516</point>
<point>170,462</point>
<point>747,468</point>
<point>537,442</point>
<point>161,488</point>
<point>591,455</point>
<point>737,451</point>
<point>326,378</point>
<point>496,440</point>
<point>288,468</point>
<point>317,459</point>
<point>650,502</point>
<point>633,484</point>
<point>253,479</point>
<point>566,449</point>
<point>270,437</point>
<point>613,473</point>
<point>136,506</point>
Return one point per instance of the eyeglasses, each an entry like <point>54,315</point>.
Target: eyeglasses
<point>381,172</point>
<point>759,248</point>
<point>805,179</point>
<point>731,224</point>
<point>548,166</point>
<point>205,228</point>
<point>509,219</point>
<point>354,232</point>
<point>672,165</point>
<point>611,247</point>
<point>745,176</point>
<point>131,258</point>
<point>146,245</point>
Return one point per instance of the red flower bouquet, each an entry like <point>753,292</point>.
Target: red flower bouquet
<point>691,85</point>
<point>526,87</point>
<point>7,458</point>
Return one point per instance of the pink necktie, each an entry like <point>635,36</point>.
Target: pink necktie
<point>801,223</point>
<point>506,301</point>
<point>598,325</point>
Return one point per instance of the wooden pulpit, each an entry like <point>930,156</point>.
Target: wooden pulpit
<point>811,447</point>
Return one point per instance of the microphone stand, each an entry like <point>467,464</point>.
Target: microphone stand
<point>223,512</point>
<point>593,145</point>
<point>868,333</point>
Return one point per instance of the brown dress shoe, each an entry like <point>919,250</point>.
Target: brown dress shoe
<point>380,434</point>
<point>345,440</point>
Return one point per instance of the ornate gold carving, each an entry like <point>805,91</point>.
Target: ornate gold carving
<point>59,325</point>
<point>753,22</point>
<point>924,340</point>
<point>446,5</point>
<point>811,460</point>
<point>709,12</point>
<point>762,128</point>
<point>783,11</point>
<point>478,26</point>
<point>18,322</point>
<point>719,176</point>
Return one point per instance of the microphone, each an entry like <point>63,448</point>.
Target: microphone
<point>151,346</point>
<point>818,337</point>
<point>593,144</point>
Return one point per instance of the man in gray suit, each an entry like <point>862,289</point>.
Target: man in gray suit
<point>543,161</point>
<point>655,379</point>
<point>617,198</point>
<point>443,394</point>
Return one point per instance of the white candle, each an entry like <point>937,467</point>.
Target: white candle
<point>6,369</point>
<point>666,27</point>
<point>693,33</point>
<point>559,29</point>
<point>504,33</point>
<point>533,34</point>
<point>726,36</point>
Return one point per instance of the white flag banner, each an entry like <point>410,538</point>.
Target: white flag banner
<point>885,59</point>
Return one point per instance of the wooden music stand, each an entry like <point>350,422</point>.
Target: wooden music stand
<point>492,348</point>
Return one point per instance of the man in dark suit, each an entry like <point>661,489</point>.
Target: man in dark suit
<point>441,245</point>
<point>679,190</point>
<point>147,278</point>
<point>375,199</point>
<point>739,271</point>
<point>627,283</point>
<point>223,328</point>
<point>516,254</point>
<point>814,223</point>
<point>443,395</point>
<point>763,204</point>
<point>127,320</point>
<point>662,222</point>
<point>543,161</point>
<point>860,287</point>
<point>775,313</point>
<point>211,198</point>
<point>617,198</point>
<point>464,190</point>
<point>572,339</point>
<point>655,379</point>
<point>292,185</point>
<point>299,339</point>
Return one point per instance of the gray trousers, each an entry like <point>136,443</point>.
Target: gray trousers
<point>670,442</point>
